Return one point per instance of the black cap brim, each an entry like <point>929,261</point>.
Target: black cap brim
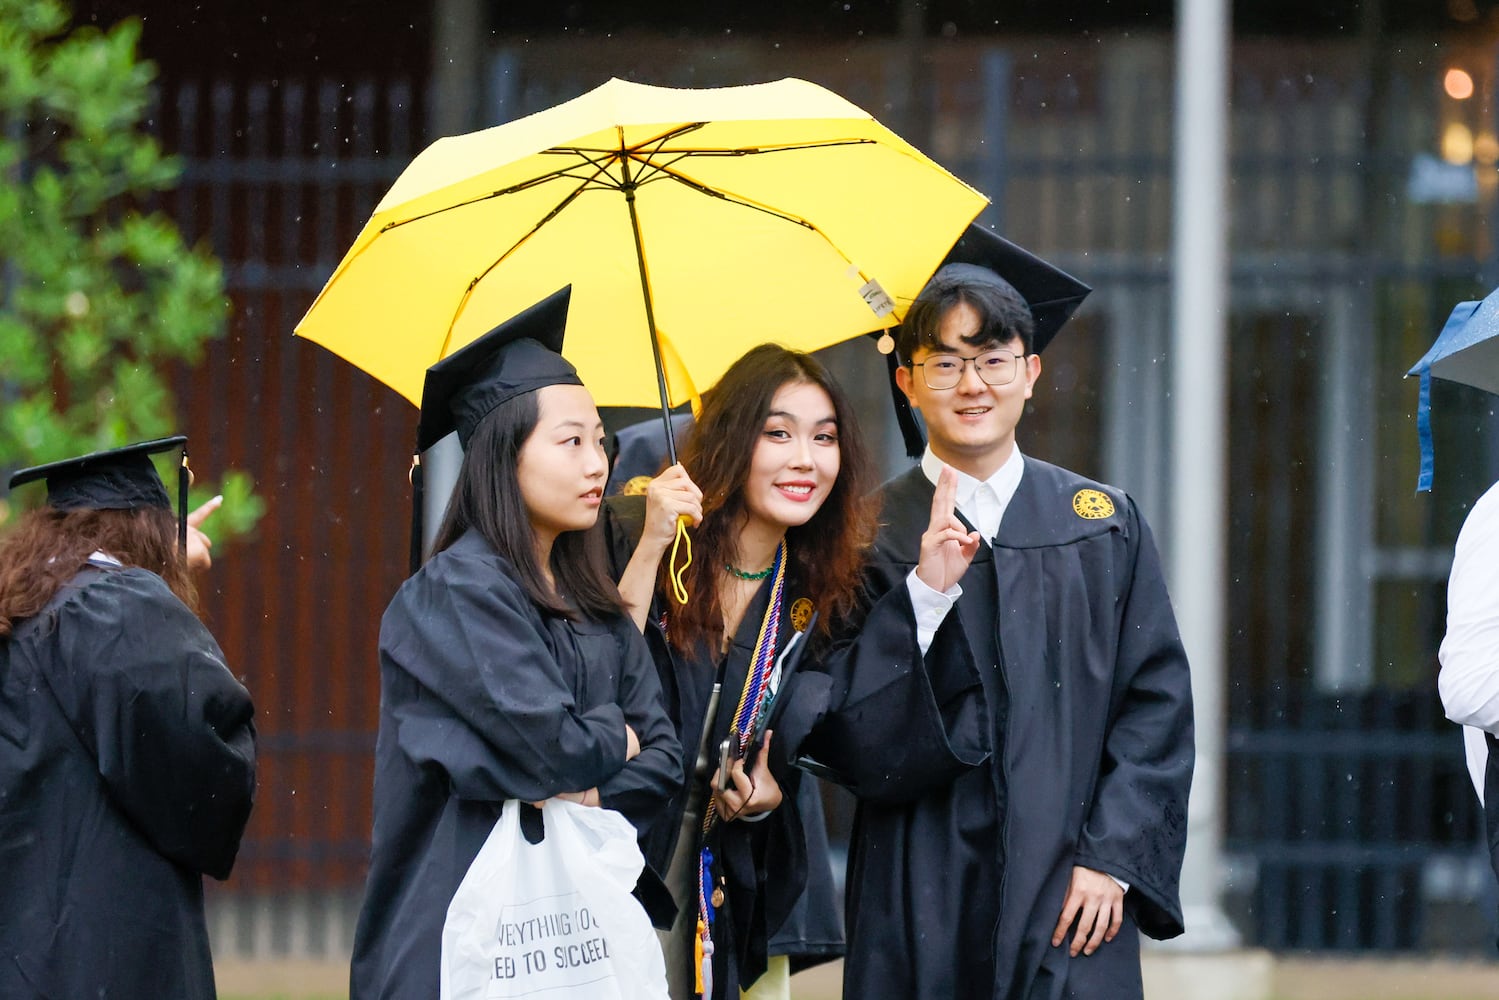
<point>1052,294</point>
<point>114,479</point>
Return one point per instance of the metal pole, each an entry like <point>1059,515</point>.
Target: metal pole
<point>998,68</point>
<point>1199,435</point>
<point>650,310</point>
<point>457,27</point>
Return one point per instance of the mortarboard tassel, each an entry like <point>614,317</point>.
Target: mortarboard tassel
<point>415,475</point>
<point>702,962</point>
<point>184,478</point>
<point>910,431</point>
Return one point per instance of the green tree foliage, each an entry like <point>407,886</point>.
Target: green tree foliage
<point>99,296</point>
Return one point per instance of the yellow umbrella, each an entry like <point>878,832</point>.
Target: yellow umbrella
<point>692,225</point>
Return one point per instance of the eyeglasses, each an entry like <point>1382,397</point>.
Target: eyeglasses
<point>943,371</point>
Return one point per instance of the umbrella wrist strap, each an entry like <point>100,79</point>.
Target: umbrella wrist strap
<point>683,543</point>
<point>1423,432</point>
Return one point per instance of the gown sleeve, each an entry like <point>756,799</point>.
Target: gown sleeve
<point>490,705</point>
<point>145,688</point>
<point>899,723</point>
<point>1137,827</point>
<point>647,781</point>
<point>621,521</point>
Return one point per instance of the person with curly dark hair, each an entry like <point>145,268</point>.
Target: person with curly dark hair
<point>779,494</point>
<point>127,748</point>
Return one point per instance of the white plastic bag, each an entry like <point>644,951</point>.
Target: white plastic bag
<point>553,920</point>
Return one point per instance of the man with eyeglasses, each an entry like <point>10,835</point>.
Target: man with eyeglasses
<point>1030,875</point>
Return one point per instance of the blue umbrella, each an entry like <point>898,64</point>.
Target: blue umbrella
<point>1466,351</point>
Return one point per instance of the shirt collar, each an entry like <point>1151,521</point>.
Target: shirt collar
<point>1004,482</point>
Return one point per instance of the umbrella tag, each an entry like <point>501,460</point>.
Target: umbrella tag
<point>877,298</point>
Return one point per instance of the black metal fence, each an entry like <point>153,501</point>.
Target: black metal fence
<point>279,176</point>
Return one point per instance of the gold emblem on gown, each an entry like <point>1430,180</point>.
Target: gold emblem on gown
<point>1092,504</point>
<point>801,613</point>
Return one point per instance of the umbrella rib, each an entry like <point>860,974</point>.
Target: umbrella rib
<point>474,282</point>
<point>664,171</point>
<point>599,164</point>
<point>621,149</point>
<point>652,169</point>
<point>640,148</point>
<point>649,158</point>
<point>651,166</point>
<point>643,151</point>
<point>788,148</point>
<point>601,159</point>
<point>588,180</point>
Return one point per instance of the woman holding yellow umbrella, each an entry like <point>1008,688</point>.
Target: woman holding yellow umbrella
<point>778,495</point>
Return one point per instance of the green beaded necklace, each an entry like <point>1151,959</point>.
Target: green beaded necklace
<point>738,573</point>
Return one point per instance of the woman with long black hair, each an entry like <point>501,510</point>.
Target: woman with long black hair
<point>508,669</point>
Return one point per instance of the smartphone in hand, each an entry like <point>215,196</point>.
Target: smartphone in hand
<point>728,753</point>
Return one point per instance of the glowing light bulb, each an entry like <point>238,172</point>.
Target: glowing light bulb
<point>1458,84</point>
<point>1457,144</point>
<point>1486,148</point>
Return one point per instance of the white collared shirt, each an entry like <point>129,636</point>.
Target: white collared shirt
<point>982,501</point>
<point>1469,678</point>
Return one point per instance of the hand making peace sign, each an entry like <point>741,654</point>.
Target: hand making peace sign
<point>947,547</point>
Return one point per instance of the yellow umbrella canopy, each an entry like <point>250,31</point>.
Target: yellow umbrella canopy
<point>701,222</point>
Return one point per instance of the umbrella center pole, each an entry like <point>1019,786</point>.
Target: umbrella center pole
<point>650,314</point>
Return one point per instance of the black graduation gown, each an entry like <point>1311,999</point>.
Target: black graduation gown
<point>127,772</point>
<point>779,893</point>
<point>484,698</point>
<point>956,891</point>
<point>812,932</point>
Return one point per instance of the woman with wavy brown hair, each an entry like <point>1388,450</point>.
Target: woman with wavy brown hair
<point>778,496</point>
<point>127,752</point>
<point>48,546</point>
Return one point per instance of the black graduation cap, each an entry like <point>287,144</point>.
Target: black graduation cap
<point>983,256</point>
<point>116,479</point>
<point>519,356</point>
